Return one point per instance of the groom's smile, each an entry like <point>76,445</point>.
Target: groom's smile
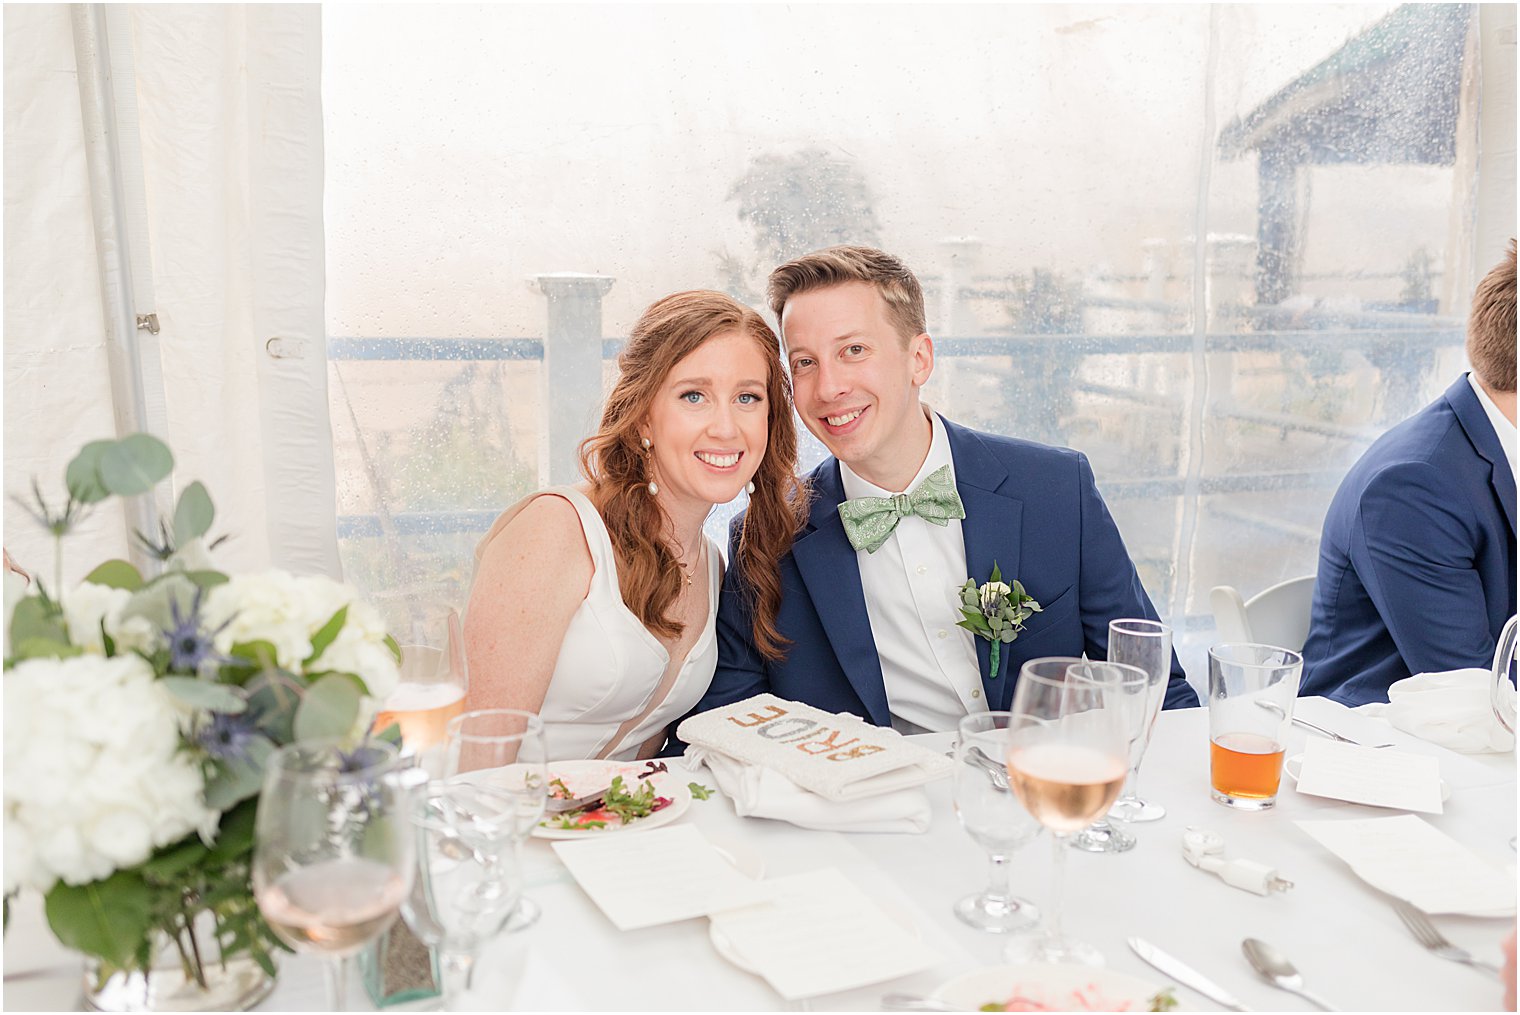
<point>855,380</point>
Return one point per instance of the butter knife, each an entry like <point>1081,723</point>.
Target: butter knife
<point>1185,974</point>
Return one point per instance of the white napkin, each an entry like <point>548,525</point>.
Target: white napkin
<point>761,792</point>
<point>1450,708</point>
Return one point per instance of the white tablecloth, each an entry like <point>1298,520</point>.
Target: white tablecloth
<point>1342,934</point>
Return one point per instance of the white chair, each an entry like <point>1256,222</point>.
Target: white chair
<point>1278,616</point>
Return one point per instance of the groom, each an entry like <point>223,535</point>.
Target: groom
<point>870,591</point>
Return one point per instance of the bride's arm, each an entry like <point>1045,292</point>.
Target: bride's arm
<point>532,578</point>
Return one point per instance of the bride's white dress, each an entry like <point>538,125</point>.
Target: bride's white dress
<point>600,702</point>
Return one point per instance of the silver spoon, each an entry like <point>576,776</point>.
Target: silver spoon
<point>913,1002</point>
<point>1275,968</point>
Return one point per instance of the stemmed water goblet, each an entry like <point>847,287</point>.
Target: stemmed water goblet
<point>332,859</point>
<point>468,881</point>
<point>994,818</point>
<point>1146,645</point>
<point>504,748</point>
<point>1067,758</point>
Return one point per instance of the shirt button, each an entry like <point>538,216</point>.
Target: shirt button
<point>976,693</point>
<point>943,633</point>
<point>923,569</point>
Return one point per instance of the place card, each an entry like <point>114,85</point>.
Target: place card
<point>1408,858</point>
<point>1366,775</point>
<point>641,879</point>
<point>820,934</point>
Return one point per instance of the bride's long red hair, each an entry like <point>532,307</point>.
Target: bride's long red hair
<point>613,460</point>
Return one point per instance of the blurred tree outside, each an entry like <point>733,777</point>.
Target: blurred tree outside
<point>794,204</point>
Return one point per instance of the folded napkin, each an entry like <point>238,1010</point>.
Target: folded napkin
<point>760,792</point>
<point>841,757</point>
<point>1451,708</point>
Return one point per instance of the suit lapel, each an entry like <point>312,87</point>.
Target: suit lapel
<point>827,564</point>
<point>1480,431</point>
<point>991,533</point>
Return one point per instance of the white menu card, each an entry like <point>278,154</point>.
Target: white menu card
<point>1367,775</point>
<point>1408,858</point>
<point>640,879</point>
<point>820,934</point>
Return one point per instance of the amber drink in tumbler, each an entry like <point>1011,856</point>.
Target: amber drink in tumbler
<point>1251,693</point>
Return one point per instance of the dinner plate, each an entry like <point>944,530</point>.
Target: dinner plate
<point>726,948</point>
<point>584,777</point>
<point>1057,988</point>
<point>1296,763</point>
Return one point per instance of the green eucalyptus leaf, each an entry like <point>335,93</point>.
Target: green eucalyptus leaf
<point>37,630</point>
<point>194,514</point>
<point>329,709</point>
<point>326,634</point>
<point>205,694</point>
<point>134,464</point>
<point>206,579</point>
<point>117,574</point>
<point>391,734</point>
<point>155,601</point>
<point>42,648</point>
<point>82,477</point>
<point>108,919</point>
<point>234,836</point>
<point>240,779</point>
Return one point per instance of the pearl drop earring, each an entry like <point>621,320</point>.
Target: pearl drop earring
<point>647,443</point>
<point>654,488</point>
<point>749,487</point>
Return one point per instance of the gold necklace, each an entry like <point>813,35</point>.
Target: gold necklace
<point>688,574</point>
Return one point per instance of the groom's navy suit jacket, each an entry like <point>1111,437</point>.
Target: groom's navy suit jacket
<point>1032,509</point>
<point>1417,561</point>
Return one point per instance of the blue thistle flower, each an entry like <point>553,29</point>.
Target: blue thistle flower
<point>228,737</point>
<point>190,646</point>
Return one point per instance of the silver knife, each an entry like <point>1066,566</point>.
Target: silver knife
<point>1185,974</point>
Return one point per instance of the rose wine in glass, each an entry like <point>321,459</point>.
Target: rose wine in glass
<point>434,679</point>
<point>1067,759</point>
<point>331,859</point>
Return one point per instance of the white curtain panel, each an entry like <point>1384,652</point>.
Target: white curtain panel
<point>229,112</point>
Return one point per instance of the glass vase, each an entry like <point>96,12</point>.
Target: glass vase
<point>171,984</point>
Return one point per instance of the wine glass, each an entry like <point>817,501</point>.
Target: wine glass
<point>468,883</point>
<point>1146,644</point>
<point>994,818</point>
<point>332,857</point>
<point>434,678</point>
<point>1067,757</point>
<point>1502,690</point>
<point>504,748</point>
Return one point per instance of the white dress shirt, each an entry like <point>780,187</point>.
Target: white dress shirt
<point>1503,428</point>
<point>912,584</point>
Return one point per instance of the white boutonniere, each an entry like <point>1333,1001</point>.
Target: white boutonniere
<point>995,611</point>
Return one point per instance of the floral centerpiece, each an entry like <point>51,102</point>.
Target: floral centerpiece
<point>139,713</point>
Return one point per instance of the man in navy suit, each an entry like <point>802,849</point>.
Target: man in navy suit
<point>871,615</point>
<point>1417,560</point>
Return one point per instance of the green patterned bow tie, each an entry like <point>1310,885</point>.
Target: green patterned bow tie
<point>868,521</point>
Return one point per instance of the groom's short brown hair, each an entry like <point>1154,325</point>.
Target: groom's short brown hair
<point>1491,326</point>
<point>838,265</point>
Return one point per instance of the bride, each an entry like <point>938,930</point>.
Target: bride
<point>593,605</point>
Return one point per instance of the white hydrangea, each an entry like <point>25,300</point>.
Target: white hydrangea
<point>87,605</point>
<point>287,610</point>
<point>95,779</point>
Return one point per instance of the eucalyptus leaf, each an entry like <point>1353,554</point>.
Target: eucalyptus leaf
<point>108,919</point>
<point>82,477</point>
<point>156,600</point>
<point>326,634</point>
<point>134,464</point>
<point>206,579</point>
<point>116,574</point>
<point>239,779</point>
<point>194,513</point>
<point>329,709</point>
<point>37,623</point>
<point>205,694</point>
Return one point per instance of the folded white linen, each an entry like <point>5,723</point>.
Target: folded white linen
<point>760,792</point>
<point>1450,708</point>
<point>840,757</point>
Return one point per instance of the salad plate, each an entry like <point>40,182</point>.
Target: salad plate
<point>666,799</point>
<point>1043,987</point>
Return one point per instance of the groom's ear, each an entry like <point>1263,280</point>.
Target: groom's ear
<point>921,353</point>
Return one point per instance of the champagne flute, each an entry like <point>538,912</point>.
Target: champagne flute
<point>1067,758</point>
<point>504,748</point>
<point>332,856</point>
<point>466,890</point>
<point>434,679</point>
<point>1146,644</point>
<point>995,820</point>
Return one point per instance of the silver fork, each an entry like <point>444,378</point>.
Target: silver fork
<point>1426,933</point>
